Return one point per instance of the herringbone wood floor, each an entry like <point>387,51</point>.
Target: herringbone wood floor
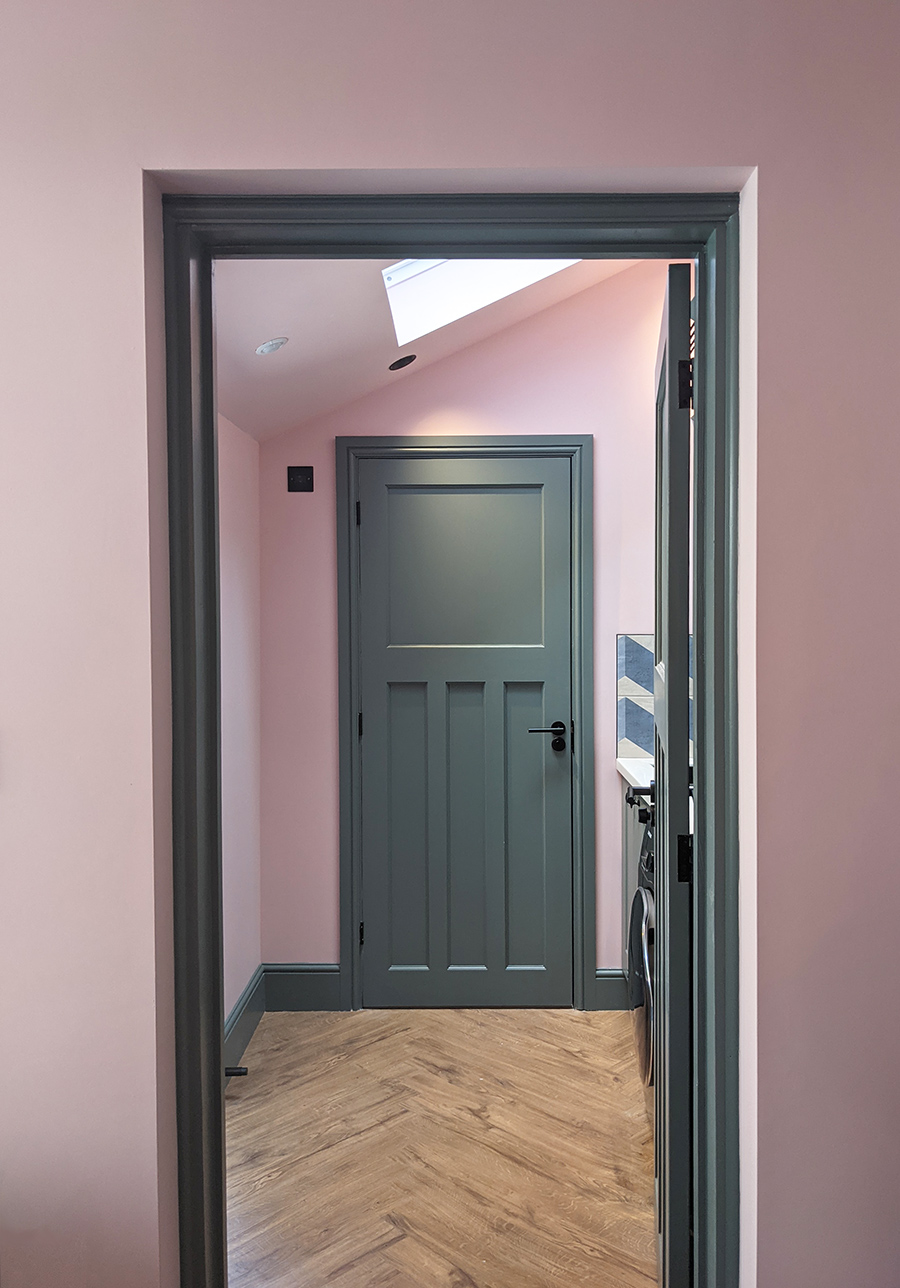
<point>415,1149</point>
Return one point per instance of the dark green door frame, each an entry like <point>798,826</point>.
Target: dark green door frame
<point>588,983</point>
<point>198,230</point>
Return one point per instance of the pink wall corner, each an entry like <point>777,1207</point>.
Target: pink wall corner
<point>748,751</point>
<point>82,1142</point>
<point>299,704</point>
<point>161,669</point>
<point>239,615</point>
<point>584,366</point>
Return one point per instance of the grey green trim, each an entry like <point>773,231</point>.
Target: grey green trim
<point>243,1018</point>
<point>699,226</point>
<point>716,851</point>
<point>304,986</point>
<point>300,986</point>
<point>609,992</point>
<point>196,805</point>
<point>280,986</point>
<point>349,794</point>
<point>584,907</point>
<point>579,448</point>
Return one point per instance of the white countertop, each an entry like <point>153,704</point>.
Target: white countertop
<point>636,770</point>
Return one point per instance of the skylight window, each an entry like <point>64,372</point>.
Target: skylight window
<point>426,294</point>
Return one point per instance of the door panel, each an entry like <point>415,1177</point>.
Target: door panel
<point>464,628</point>
<point>443,591</point>
<point>466,827</point>
<point>674,1071</point>
<point>525,841</point>
<point>407,823</point>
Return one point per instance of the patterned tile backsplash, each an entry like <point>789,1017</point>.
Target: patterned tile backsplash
<point>634,691</point>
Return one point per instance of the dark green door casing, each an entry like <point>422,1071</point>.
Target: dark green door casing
<point>672,880</point>
<point>700,227</point>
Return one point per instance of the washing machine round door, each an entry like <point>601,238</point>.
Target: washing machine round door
<point>640,978</point>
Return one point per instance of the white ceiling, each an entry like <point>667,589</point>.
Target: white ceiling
<point>341,337</point>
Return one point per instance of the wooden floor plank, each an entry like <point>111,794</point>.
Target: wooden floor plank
<point>411,1149</point>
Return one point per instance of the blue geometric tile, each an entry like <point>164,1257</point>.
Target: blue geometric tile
<point>636,725</point>
<point>635,662</point>
<point>634,668</point>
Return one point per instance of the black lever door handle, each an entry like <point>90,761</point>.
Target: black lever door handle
<point>557,729</point>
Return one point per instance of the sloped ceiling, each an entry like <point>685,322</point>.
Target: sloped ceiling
<point>341,337</point>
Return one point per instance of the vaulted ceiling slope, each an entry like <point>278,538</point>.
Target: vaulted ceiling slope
<point>341,336</point>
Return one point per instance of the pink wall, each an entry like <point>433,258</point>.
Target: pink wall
<point>588,95</point>
<point>584,366</point>
<point>239,615</point>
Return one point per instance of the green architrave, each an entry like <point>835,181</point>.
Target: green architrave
<point>699,227</point>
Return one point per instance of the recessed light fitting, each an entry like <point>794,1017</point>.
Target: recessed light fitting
<point>402,362</point>
<point>272,346</point>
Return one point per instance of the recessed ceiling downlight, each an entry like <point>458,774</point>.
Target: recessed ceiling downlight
<point>272,346</point>
<point>402,362</point>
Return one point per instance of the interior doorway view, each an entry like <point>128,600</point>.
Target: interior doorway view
<point>446,489</point>
<point>524,381</point>
<point>465,572</point>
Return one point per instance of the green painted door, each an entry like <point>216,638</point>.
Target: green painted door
<point>465,646</point>
<point>674,1068</point>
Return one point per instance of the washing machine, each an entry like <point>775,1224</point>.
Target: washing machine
<point>641,936</point>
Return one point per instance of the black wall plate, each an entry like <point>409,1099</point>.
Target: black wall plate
<point>300,478</point>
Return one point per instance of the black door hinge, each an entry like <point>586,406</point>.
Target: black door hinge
<point>359,725</point>
<point>357,515</point>
<point>685,383</point>
<point>362,933</point>
<point>686,858</point>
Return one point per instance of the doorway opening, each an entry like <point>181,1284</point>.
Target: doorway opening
<point>204,229</point>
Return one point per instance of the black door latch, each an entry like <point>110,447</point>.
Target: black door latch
<point>558,729</point>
